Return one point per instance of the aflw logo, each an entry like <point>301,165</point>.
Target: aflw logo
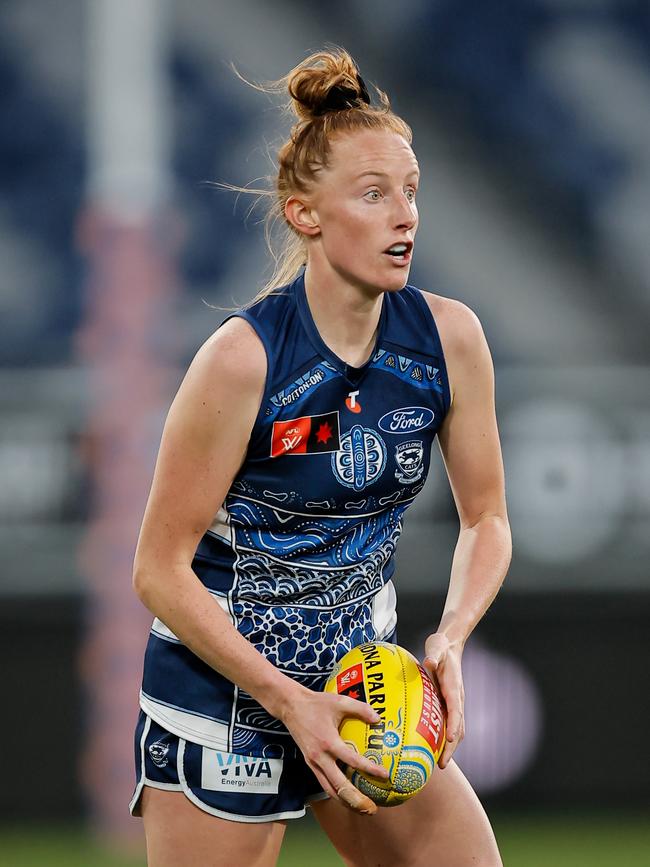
<point>231,772</point>
<point>292,439</point>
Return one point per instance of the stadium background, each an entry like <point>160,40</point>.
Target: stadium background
<point>532,128</point>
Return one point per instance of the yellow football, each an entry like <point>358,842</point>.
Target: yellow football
<point>410,735</point>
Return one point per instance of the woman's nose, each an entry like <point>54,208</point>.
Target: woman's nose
<point>405,215</point>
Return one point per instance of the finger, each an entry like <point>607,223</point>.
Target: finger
<point>447,753</point>
<point>358,709</point>
<point>454,724</point>
<point>348,793</point>
<point>322,779</point>
<point>356,800</point>
<point>337,786</point>
<point>430,665</point>
<point>450,748</point>
<point>453,737</point>
<point>355,760</point>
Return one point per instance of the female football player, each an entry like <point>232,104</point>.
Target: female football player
<point>298,438</point>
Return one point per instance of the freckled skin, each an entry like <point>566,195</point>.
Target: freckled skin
<point>360,217</point>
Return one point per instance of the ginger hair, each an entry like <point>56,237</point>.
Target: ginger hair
<point>328,98</point>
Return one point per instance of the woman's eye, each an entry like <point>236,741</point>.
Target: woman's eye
<point>410,195</point>
<point>373,195</point>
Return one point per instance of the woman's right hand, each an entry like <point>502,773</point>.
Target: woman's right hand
<point>313,719</point>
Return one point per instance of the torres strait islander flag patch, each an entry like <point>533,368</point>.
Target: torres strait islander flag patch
<point>311,434</point>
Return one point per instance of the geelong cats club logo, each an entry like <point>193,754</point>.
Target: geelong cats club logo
<point>410,464</point>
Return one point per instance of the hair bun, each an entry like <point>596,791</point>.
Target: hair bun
<point>341,97</point>
<point>326,82</point>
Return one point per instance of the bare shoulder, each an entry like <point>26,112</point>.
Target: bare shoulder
<point>459,327</point>
<point>228,372</point>
<point>234,349</point>
<point>462,337</point>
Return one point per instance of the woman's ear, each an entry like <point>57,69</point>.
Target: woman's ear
<point>301,216</point>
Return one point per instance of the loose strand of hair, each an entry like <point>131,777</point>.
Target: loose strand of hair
<point>287,248</point>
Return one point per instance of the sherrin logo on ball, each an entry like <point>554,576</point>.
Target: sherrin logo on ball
<point>410,736</point>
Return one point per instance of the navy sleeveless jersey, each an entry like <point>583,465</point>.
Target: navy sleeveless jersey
<point>300,555</point>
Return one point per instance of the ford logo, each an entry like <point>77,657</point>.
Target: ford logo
<point>406,420</point>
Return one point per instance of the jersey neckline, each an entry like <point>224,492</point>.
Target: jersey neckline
<point>351,373</point>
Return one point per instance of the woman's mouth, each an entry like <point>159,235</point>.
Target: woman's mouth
<point>400,253</point>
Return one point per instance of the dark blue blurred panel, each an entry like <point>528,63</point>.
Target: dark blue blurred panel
<point>41,179</point>
<point>484,54</point>
<point>634,16</point>
<point>208,124</point>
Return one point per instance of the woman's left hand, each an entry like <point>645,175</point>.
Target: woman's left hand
<point>443,664</point>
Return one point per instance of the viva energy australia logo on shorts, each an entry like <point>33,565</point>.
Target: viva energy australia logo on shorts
<point>229,772</point>
<point>361,458</point>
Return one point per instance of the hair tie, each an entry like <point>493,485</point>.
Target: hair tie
<point>365,96</point>
<point>342,97</point>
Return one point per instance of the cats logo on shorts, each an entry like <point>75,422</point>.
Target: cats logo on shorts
<point>158,753</point>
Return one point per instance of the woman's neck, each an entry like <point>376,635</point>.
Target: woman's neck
<point>346,319</point>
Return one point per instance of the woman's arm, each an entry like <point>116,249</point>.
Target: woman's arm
<point>469,442</point>
<point>203,445</point>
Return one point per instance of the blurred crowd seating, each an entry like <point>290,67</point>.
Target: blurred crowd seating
<point>482,63</point>
<point>41,178</point>
<point>42,175</point>
<point>484,57</point>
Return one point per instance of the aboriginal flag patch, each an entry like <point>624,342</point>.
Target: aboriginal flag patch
<point>311,434</point>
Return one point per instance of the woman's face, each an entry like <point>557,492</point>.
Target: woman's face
<point>364,205</point>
